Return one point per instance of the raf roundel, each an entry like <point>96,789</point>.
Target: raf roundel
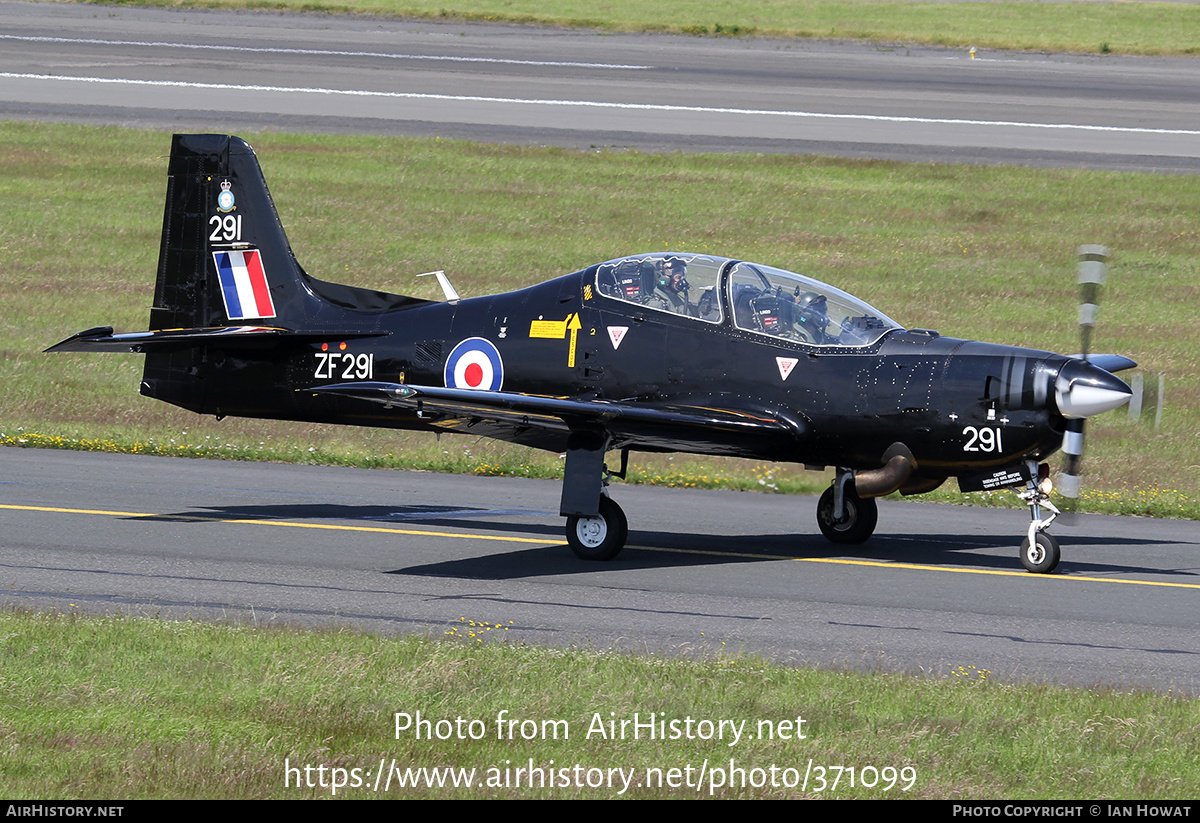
<point>475,364</point>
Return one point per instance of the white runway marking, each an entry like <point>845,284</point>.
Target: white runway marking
<point>318,52</point>
<point>600,104</point>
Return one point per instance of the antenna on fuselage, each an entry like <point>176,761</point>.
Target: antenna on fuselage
<point>444,282</point>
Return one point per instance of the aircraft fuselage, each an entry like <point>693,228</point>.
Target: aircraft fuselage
<point>949,401</point>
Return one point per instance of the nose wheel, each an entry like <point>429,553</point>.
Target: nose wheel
<point>1042,555</point>
<point>1039,550</point>
<point>600,536</point>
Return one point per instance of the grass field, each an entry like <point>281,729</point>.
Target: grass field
<point>979,252</point>
<point>123,708</point>
<point>1146,28</point>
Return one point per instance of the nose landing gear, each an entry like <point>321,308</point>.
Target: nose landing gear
<point>1039,550</point>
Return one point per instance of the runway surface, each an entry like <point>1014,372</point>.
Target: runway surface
<point>225,71</point>
<point>938,587</point>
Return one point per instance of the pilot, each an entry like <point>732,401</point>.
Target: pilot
<point>812,314</point>
<point>673,285</point>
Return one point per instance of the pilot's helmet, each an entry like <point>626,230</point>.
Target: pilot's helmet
<point>813,309</point>
<point>672,275</point>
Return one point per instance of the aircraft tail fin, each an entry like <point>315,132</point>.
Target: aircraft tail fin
<point>225,259</point>
<point>225,264</point>
<point>218,222</point>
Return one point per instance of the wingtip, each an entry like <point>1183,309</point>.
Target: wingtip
<point>78,342</point>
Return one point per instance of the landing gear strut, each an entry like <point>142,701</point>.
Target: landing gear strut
<point>1039,550</point>
<point>594,531</point>
<point>843,516</point>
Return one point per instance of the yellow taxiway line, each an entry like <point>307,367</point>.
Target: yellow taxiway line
<point>508,539</point>
<point>330,526</point>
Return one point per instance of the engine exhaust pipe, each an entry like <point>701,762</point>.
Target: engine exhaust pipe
<point>885,480</point>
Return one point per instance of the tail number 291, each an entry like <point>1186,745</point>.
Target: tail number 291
<point>227,228</point>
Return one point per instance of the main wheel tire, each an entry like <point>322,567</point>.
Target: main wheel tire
<point>601,537</point>
<point>859,520</point>
<point>1042,556</point>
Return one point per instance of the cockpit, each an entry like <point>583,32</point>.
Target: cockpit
<point>752,297</point>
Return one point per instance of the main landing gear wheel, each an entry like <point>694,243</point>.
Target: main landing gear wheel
<point>1042,556</point>
<point>858,521</point>
<point>601,537</point>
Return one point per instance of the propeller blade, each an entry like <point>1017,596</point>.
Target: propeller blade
<point>1070,478</point>
<point>1093,265</point>
<point>1080,395</point>
<point>1147,397</point>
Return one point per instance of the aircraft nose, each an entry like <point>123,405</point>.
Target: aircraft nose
<point>1083,390</point>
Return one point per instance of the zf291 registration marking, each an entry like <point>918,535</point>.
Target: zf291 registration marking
<point>227,228</point>
<point>351,366</point>
<point>983,439</point>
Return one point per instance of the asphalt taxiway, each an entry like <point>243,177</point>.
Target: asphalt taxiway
<point>704,571</point>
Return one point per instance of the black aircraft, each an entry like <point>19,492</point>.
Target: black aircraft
<point>663,352</point>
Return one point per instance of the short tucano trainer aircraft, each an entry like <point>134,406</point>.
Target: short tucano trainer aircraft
<point>661,352</point>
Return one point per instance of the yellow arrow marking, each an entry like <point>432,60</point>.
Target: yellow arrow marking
<point>557,330</point>
<point>574,326</point>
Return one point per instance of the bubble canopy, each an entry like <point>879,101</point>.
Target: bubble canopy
<point>752,297</point>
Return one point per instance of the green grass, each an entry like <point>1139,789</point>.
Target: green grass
<point>123,708</point>
<point>1092,27</point>
<point>979,252</point>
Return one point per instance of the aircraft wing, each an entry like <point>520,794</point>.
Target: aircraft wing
<point>676,426</point>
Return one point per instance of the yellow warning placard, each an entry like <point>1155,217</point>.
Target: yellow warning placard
<point>557,330</point>
<point>550,329</point>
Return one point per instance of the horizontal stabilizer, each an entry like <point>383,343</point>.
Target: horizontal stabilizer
<point>102,338</point>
